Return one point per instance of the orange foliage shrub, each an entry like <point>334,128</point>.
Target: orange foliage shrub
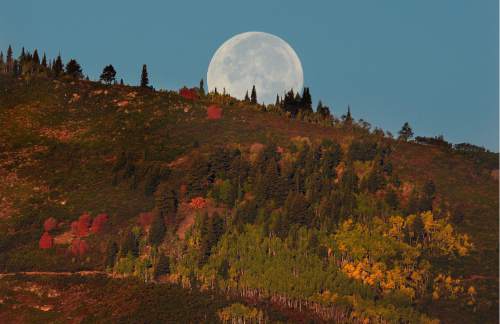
<point>214,112</point>
<point>79,247</point>
<point>98,223</point>
<point>49,224</point>
<point>145,219</point>
<point>190,94</point>
<point>198,203</point>
<point>46,241</point>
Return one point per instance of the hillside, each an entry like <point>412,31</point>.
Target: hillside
<point>69,147</point>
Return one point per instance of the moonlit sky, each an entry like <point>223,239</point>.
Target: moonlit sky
<point>255,58</point>
<point>431,63</point>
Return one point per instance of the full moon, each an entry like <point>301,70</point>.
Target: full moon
<point>255,58</point>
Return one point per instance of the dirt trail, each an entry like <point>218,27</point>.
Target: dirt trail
<point>55,273</point>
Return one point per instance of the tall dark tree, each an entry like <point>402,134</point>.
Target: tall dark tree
<point>36,58</point>
<point>277,103</point>
<point>74,69</point>
<point>347,117</point>
<point>428,195</point>
<point>323,111</point>
<point>162,266</point>
<point>44,61</point>
<point>57,67</point>
<point>247,98</point>
<point>253,96</point>
<point>157,230</point>
<point>130,245</point>
<point>306,100</point>
<point>406,132</point>
<point>111,252</point>
<point>202,87</point>
<point>144,76</point>
<point>9,61</point>
<point>2,63</point>
<point>108,74</point>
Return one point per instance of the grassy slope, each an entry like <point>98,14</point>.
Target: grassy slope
<point>62,177</point>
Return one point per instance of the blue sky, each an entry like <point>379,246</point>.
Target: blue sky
<point>431,63</point>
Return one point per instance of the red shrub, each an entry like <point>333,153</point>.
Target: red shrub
<point>98,223</point>
<point>46,241</point>
<point>49,224</point>
<point>79,247</point>
<point>74,228</point>
<point>145,219</point>
<point>83,225</point>
<point>198,203</point>
<point>190,94</point>
<point>214,112</point>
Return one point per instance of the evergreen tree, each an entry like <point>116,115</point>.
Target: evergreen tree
<point>253,96</point>
<point>130,245</point>
<point>406,132</point>
<point>247,98</point>
<point>121,82</point>
<point>349,188</point>
<point>111,252</point>
<point>144,77</point>
<point>44,61</point>
<point>277,103</point>
<point>157,230</point>
<point>73,69</point>
<point>412,205</point>
<point>162,266</point>
<point>57,67</point>
<point>36,58</point>
<point>108,74</point>
<point>347,118</point>
<point>391,198</point>
<point>9,61</point>
<point>166,201</point>
<point>202,87</point>
<point>306,100</point>
<point>428,195</point>
<point>2,63</point>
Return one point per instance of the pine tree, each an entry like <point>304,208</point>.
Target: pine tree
<point>306,100</point>
<point>108,74</point>
<point>202,87</point>
<point>428,195</point>
<point>2,63</point>
<point>74,69</point>
<point>130,245</point>
<point>157,230</point>
<point>247,98</point>
<point>9,61</point>
<point>391,198</point>
<point>144,77</point>
<point>348,118</point>
<point>253,96</point>
<point>57,66</point>
<point>277,103</point>
<point>111,253</point>
<point>162,265</point>
<point>36,58</point>
<point>44,61</point>
<point>121,81</point>
<point>406,132</point>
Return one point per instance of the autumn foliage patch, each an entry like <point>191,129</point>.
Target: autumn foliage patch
<point>46,241</point>
<point>50,224</point>
<point>214,112</point>
<point>198,203</point>
<point>190,94</point>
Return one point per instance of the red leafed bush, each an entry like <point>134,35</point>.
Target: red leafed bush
<point>198,203</point>
<point>79,247</point>
<point>190,94</point>
<point>214,112</point>
<point>83,225</point>
<point>145,219</point>
<point>74,228</point>
<point>46,241</point>
<point>49,224</point>
<point>98,223</point>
